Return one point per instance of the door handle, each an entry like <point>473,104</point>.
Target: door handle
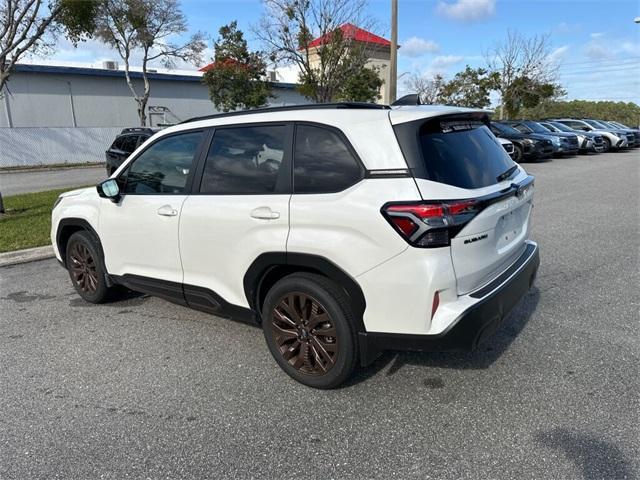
<point>264,213</point>
<point>167,211</point>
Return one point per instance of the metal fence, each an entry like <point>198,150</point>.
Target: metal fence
<point>32,146</point>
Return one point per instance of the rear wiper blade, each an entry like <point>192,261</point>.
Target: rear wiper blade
<point>507,174</point>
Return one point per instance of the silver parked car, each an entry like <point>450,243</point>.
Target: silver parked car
<point>587,141</point>
<point>613,139</point>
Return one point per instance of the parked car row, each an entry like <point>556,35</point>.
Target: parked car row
<point>539,140</point>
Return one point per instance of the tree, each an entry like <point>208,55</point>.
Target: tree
<point>236,77</point>
<point>362,86</point>
<point>428,89</point>
<point>145,26</point>
<point>527,75</point>
<point>27,26</point>
<point>470,88</point>
<point>626,113</point>
<point>287,29</point>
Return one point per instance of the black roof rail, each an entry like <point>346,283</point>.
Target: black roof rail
<point>138,130</point>
<point>305,106</point>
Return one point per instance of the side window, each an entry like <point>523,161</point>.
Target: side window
<point>521,128</point>
<point>164,166</point>
<point>129,143</point>
<point>141,140</point>
<point>322,162</point>
<point>244,160</point>
<point>117,143</point>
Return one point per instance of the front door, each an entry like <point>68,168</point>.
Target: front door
<point>139,233</point>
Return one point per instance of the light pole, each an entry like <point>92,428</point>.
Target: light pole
<point>393,81</point>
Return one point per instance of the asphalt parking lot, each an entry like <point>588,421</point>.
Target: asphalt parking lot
<point>146,389</point>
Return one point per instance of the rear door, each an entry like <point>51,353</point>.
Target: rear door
<point>238,210</point>
<point>458,158</point>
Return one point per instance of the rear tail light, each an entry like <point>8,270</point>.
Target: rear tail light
<point>430,224</point>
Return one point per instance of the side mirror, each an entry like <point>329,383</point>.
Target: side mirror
<point>109,189</point>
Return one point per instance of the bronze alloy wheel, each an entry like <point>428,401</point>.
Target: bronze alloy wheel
<point>304,333</point>
<point>83,268</point>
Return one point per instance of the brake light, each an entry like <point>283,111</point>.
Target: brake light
<point>431,224</point>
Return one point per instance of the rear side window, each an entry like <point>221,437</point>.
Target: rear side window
<point>460,153</point>
<point>244,160</point>
<point>129,143</point>
<point>118,143</point>
<point>322,161</point>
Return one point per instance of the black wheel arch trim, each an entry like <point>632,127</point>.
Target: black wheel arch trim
<point>80,224</point>
<point>267,262</point>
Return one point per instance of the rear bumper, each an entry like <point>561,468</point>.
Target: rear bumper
<point>474,325</point>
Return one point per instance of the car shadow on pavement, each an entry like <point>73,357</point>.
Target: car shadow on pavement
<point>596,458</point>
<point>483,357</point>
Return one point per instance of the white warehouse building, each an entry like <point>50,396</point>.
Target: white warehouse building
<point>52,114</point>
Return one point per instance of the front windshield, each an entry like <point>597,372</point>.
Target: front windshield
<point>595,124</point>
<point>562,127</point>
<point>550,127</point>
<point>609,125</point>
<point>505,129</point>
<point>536,127</point>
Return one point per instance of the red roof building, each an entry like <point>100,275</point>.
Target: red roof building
<point>351,32</point>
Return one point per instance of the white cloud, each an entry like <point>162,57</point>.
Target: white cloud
<point>597,51</point>
<point>445,61</point>
<point>558,54</point>
<point>565,28</point>
<point>416,47</point>
<point>467,10</point>
<point>631,48</point>
<point>596,34</point>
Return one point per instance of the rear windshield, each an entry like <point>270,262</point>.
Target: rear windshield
<point>458,153</point>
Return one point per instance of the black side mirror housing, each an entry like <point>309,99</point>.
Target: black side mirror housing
<point>109,189</point>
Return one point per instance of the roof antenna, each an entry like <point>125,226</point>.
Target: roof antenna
<point>411,99</point>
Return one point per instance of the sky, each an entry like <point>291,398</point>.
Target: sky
<point>595,42</point>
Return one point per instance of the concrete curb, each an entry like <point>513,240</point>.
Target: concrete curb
<point>25,256</point>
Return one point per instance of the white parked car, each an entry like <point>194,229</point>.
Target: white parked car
<point>343,229</point>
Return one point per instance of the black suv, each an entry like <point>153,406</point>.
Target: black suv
<point>527,146</point>
<point>563,143</point>
<point>124,144</point>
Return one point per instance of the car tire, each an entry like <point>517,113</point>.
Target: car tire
<point>85,264</point>
<point>606,144</point>
<point>517,153</point>
<point>309,328</point>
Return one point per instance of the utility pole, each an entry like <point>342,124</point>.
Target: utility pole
<point>393,72</point>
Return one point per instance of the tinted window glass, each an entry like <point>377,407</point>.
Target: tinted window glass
<point>322,162</point>
<point>536,127</point>
<point>117,143</point>
<point>129,143</point>
<point>504,129</point>
<point>164,166</point>
<point>462,155</point>
<point>522,128</point>
<point>244,160</point>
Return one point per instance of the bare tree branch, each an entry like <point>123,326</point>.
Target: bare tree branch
<point>144,25</point>
<point>23,26</point>
<point>287,28</point>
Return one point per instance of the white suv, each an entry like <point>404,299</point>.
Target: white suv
<point>343,229</point>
